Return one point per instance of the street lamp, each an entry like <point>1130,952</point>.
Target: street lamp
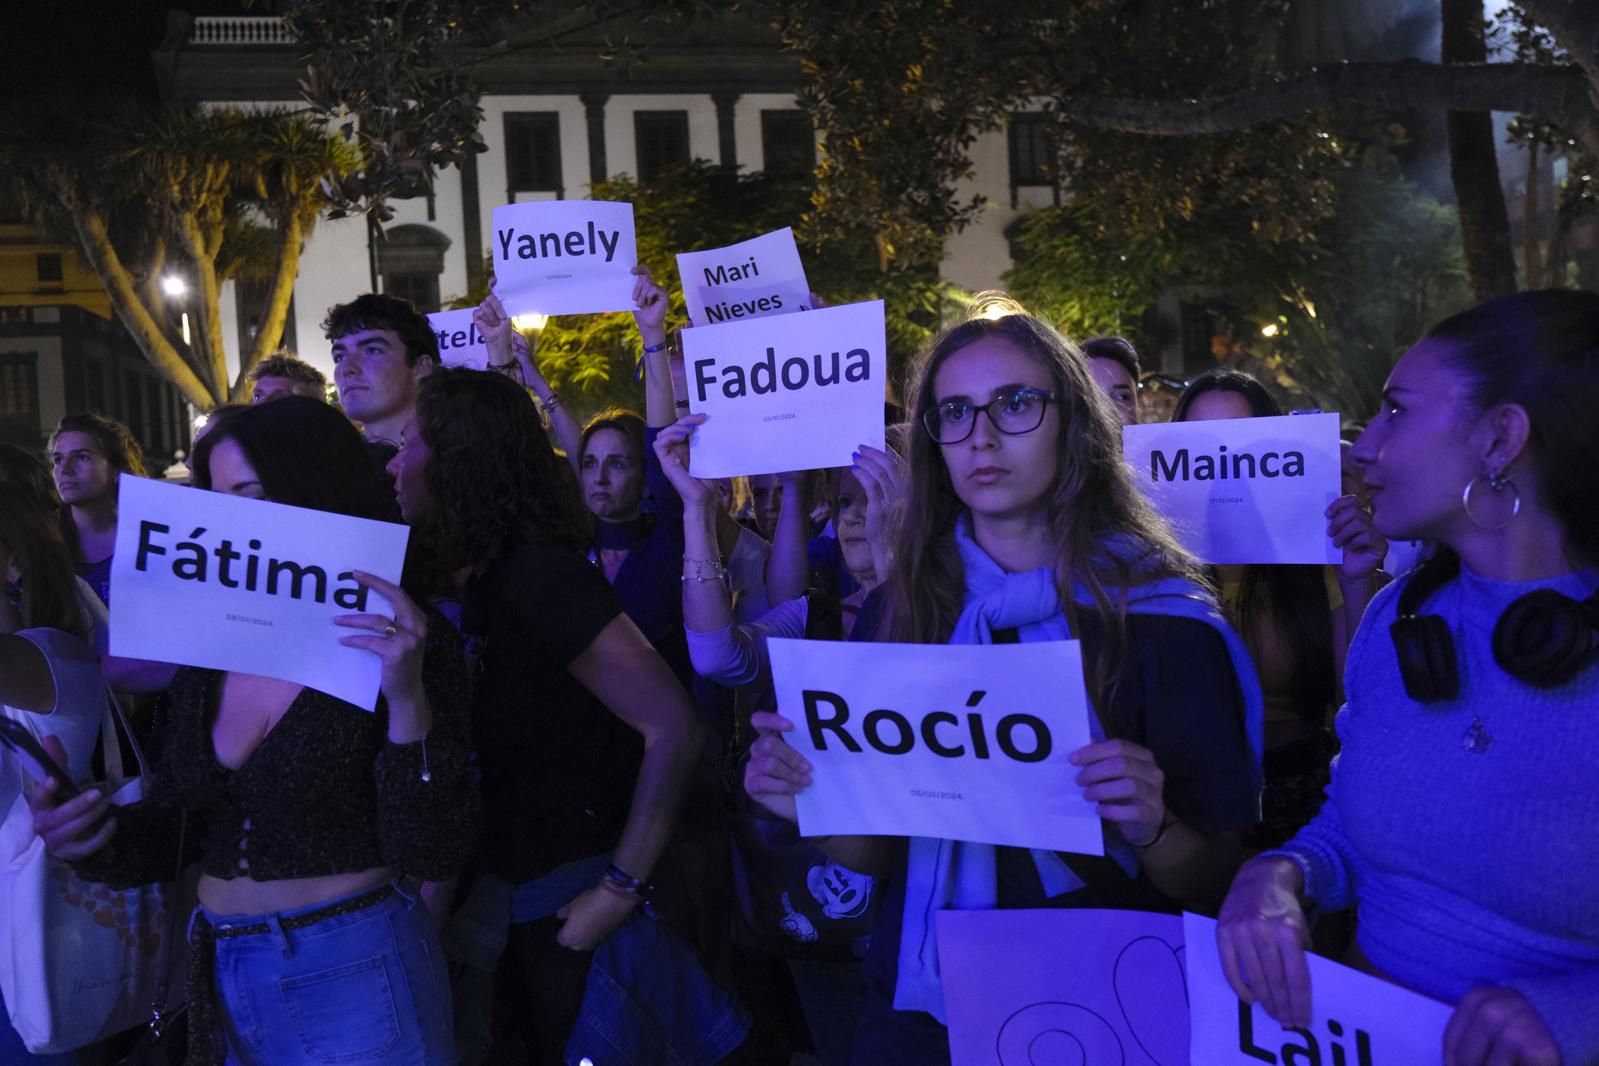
<point>523,323</point>
<point>174,286</point>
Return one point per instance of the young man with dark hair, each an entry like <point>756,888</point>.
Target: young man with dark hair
<point>1113,362</point>
<point>285,374</point>
<point>382,347</point>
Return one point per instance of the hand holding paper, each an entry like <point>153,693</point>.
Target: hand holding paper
<point>775,773</point>
<point>400,643</point>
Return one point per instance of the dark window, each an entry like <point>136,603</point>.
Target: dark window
<point>1032,149</point>
<point>410,259</point>
<point>422,290</point>
<point>48,265</point>
<point>251,298</point>
<point>94,386</point>
<point>157,437</point>
<point>19,396</point>
<point>788,143</point>
<point>133,405</point>
<point>533,152</point>
<point>662,141</point>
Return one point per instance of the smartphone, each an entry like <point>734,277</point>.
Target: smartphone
<point>35,759</point>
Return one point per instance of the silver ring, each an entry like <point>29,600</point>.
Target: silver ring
<point>389,631</point>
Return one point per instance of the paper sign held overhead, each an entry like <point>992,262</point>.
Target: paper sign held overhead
<point>1012,999</point>
<point>256,585</point>
<point>1356,1019</point>
<point>564,257</point>
<point>1243,490</point>
<point>961,742</point>
<point>460,343</point>
<point>752,279</point>
<point>786,392</point>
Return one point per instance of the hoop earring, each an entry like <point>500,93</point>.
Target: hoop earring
<point>1498,483</point>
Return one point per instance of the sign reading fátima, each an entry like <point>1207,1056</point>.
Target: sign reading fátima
<point>1243,490</point>
<point>960,742</point>
<point>786,392</point>
<point>257,585</point>
<point>564,257</point>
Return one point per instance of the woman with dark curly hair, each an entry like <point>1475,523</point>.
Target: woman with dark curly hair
<point>578,815</point>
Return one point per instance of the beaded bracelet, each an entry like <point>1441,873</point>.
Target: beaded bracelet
<point>718,571</point>
<point>553,402</point>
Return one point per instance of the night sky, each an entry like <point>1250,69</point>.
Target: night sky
<point>73,46</point>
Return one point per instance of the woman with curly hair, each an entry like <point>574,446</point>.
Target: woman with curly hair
<point>1021,523</point>
<point>585,738</point>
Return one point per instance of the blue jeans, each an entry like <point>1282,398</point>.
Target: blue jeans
<point>365,987</point>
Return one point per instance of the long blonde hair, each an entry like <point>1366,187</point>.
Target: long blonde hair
<point>1092,505</point>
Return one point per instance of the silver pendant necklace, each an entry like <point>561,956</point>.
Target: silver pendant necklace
<point>1477,739</point>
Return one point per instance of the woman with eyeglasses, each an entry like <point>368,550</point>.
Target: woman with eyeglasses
<point>1021,523</point>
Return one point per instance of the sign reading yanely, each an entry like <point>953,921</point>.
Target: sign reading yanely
<point>564,257</point>
<point>1355,1019</point>
<point>207,579</point>
<point>958,741</point>
<point>1243,490</point>
<point>757,277</point>
<point>460,343</point>
<point>788,392</point>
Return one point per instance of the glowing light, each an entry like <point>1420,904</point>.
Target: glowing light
<point>527,322</point>
<point>993,304</point>
<point>1269,330</point>
<point>185,323</point>
<point>173,285</point>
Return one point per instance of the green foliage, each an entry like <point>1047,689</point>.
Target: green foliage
<point>701,206</point>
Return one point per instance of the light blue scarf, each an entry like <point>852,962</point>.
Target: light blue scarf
<point>955,875</point>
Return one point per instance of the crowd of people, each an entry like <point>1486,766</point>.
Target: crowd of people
<point>568,834</point>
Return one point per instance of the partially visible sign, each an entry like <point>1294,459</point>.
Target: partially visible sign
<point>1243,490</point>
<point>752,279</point>
<point>789,392</point>
<point>564,257</point>
<point>1025,988</point>
<point>460,343</point>
<point>1356,1019</point>
<point>208,579</point>
<point>963,741</point>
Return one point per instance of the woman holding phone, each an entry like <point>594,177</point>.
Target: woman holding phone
<point>312,818</point>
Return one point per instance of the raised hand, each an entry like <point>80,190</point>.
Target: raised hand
<point>651,301</point>
<point>1350,526</point>
<point>671,447</point>
<point>399,642</point>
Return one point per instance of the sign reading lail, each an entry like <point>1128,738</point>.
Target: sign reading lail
<point>786,392</point>
<point>256,584</point>
<point>460,343</point>
<point>752,279</point>
<point>957,741</point>
<point>1355,1019</point>
<point>564,257</point>
<point>1243,490</point>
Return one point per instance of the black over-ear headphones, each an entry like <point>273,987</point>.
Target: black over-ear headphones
<point>1544,638</point>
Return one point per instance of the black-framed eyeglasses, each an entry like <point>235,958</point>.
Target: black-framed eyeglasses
<point>1014,413</point>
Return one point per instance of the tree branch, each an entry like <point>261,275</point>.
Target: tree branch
<point>1561,95</point>
<point>96,244</point>
<point>1575,28</point>
<point>290,237</point>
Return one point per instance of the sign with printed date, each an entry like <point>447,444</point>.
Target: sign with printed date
<point>961,741</point>
<point>788,392</point>
<point>460,343</point>
<point>752,279</point>
<point>1010,1001</point>
<point>564,257</point>
<point>1356,1019</point>
<point>1243,490</point>
<point>219,581</point>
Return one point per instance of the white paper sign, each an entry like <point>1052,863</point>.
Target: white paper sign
<point>790,392</point>
<point>208,579</point>
<point>751,279</point>
<point>1243,490</point>
<point>564,257</point>
<point>460,343</point>
<point>962,742</point>
<point>1025,988</point>
<point>1356,1019</point>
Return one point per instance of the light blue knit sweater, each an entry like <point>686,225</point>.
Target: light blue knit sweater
<point>1469,868</point>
